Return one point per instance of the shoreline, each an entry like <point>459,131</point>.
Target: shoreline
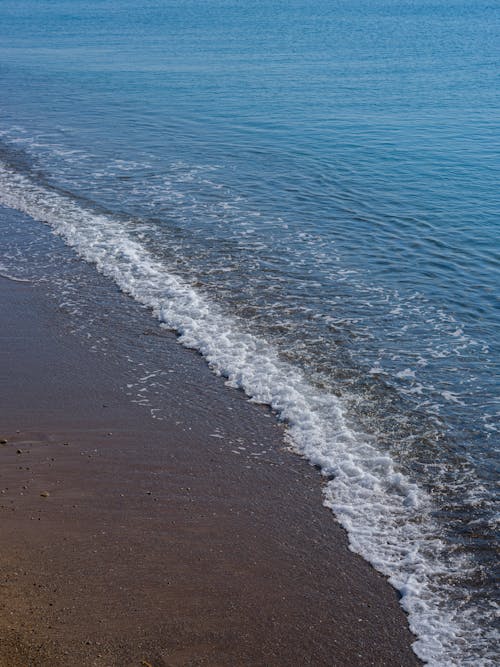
<point>196,539</point>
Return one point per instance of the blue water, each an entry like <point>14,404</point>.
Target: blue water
<point>326,176</point>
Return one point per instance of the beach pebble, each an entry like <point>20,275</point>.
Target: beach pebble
<point>45,494</point>
<point>3,441</point>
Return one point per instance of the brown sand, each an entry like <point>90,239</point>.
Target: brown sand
<point>129,541</point>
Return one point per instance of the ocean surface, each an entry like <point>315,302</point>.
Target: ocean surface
<point>308,193</point>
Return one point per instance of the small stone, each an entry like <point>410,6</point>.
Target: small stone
<point>19,451</point>
<point>45,494</point>
<point>3,441</point>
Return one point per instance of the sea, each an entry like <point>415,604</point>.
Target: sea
<point>308,193</point>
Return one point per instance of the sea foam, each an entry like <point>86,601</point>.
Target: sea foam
<point>387,516</point>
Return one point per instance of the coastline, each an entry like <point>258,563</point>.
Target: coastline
<point>196,539</point>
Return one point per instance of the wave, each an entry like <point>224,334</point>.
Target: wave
<point>13,279</point>
<point>388,517</point>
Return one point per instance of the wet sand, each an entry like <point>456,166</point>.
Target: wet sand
<point>196,540</point>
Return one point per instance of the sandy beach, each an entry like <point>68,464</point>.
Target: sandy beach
<point>194,540</point>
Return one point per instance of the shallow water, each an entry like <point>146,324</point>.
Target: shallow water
<point>309,195</point>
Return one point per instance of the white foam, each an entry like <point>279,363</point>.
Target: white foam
<point>386,515</point>
<point>450,396</point>
<point>406,374</point>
